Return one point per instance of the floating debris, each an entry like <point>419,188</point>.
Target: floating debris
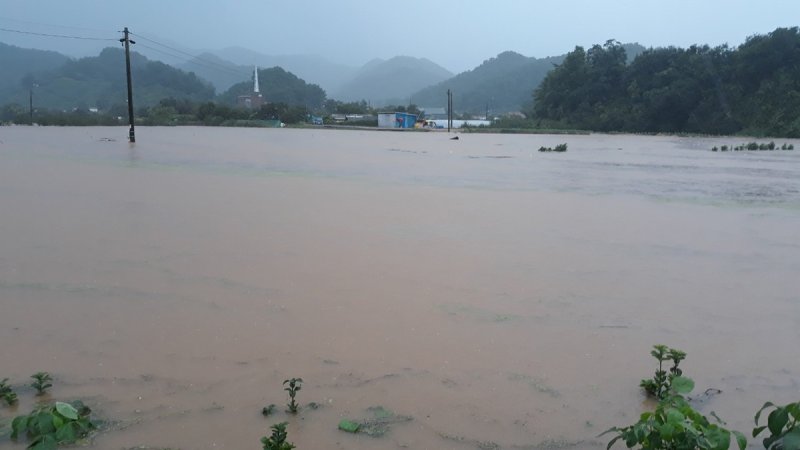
<point>349,426</point>
<point>378,425</point>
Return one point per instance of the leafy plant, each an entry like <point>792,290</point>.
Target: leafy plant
<point>278,439</point>
<point>676,425</point>
<point>52,425</point>
<point>783,424</point>
<point>41,382</point>
<point>267,410</point>
<point>294,385</point>
<point>6,393</point>
<point>659,385</point>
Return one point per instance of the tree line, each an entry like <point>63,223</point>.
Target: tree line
<point>753,89</point>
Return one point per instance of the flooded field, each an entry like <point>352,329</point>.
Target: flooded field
<point>488,295</point>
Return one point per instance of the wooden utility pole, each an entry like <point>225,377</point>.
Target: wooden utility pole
<point>126,42</point>
<point>449,110</point>
<point>30,98</point>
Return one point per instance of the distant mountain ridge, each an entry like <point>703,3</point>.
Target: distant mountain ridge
<point>312,68</point>
<point>99,81</point>
<point>391,81</point>
<point>18,62</point>
<point>501,84</point>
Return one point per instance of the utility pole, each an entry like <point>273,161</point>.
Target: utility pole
<point>449,110</point>
<point>30,98</point>
<point>126,42</point>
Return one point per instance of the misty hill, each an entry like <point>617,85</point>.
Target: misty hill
<point>391,81</point>
<point>504,83</point>
<point>315,69</point>
<point>219,72</point>
<point>18,62</point>
<point>278,86</point>
<point>99,81</point>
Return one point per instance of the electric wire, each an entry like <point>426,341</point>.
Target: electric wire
<point>52,25</point>
<point>194,57</point>
<point>229,71</point>
<point>64,36</point>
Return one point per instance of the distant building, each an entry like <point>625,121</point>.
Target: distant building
<point>434,113</point>
<point>253,100</point>
<point>396,120</point>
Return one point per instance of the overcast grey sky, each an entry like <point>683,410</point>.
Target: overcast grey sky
<point>456,34</point>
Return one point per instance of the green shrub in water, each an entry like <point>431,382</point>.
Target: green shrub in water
<point>294,385</point>
<point>6,393</point>
<point>52,425</point>
<point>278,439</point>
<point>660,384</point>
<point>41,382</point>
<point>675,425</point>
<point>783,424</point>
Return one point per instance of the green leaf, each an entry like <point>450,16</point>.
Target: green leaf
<point>741,441</point>
<point>19,426</point>
<point>58,422</point>
<point>682,385</point>
<point>611,444</point>
<point>47,442</point>
<point>766,405</point>
<point>44,420</point>
<point>792,440</point>
<point>67,410</point>
<point>758,430</point>
<point>674,416</point>
<point>777,420</point>
<point>66,434</point>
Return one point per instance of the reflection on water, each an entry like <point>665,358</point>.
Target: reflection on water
<point>499,297</point>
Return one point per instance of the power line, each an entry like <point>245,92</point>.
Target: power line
<point>229,71</point>
<point>52,25</point>
<point>194,57</point>
<point>57,35</point>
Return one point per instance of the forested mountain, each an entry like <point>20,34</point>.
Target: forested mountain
<point>16,63</point>
<point>391,81</point>
<point>99,81</point>
<point>278,86</point>
<point>754,88</point>
<point>501,84</point>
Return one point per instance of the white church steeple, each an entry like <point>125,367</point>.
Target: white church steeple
<point>255,79</point>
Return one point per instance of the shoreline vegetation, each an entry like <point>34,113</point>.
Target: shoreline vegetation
<point>749,90</point>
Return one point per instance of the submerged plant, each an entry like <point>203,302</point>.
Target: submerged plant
<point>783,424</point>
<point>278,439</point>
<point>558,148</point>
<point>659,385</point>
<point>294,385</point>
<point>41,382</point>
<point>52,425</point>
<point>676,425</point>
<point>6,393</point>
<point>267,410</point>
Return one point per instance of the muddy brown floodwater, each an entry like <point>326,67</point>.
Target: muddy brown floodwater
<point>496,296</point>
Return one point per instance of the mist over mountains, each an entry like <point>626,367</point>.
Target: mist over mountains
<point>502,84</point>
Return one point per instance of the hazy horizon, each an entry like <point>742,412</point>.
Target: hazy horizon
<point>352,32</point>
